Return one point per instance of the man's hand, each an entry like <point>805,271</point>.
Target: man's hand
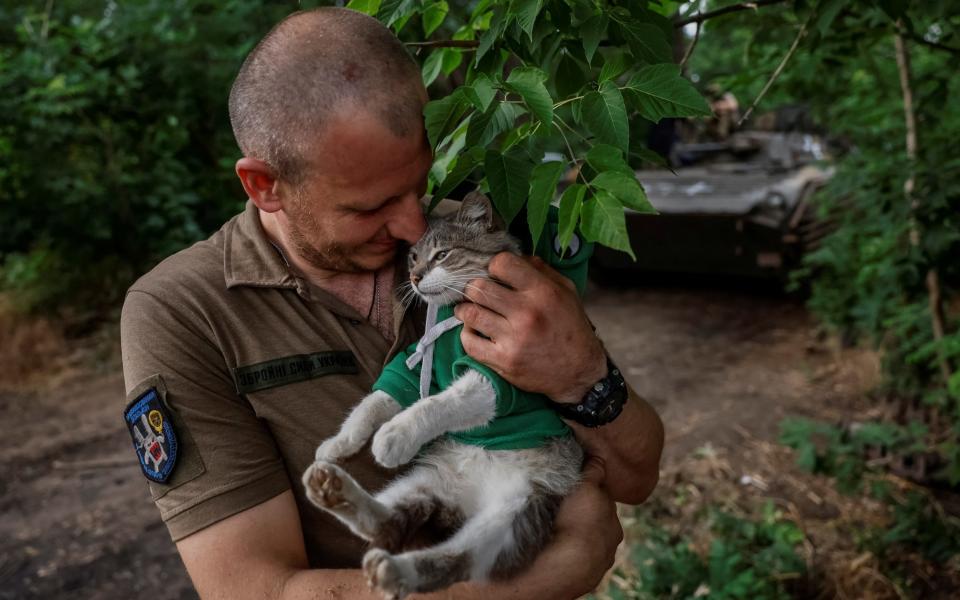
<point>532,331</point>
<point>587,532</point>
<point>540,340</point>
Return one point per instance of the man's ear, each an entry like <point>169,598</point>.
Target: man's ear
<point>260,182</point>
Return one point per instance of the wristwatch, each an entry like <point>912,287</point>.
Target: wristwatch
<point>601,404</point>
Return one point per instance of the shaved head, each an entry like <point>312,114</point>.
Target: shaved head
<point>311,66</point>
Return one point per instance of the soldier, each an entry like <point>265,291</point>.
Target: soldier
<point>257,342</point>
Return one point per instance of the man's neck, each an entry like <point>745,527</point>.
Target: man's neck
<point>357,290</point>
<point>277,234</point>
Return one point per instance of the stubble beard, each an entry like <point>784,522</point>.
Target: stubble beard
<point>327,255</point>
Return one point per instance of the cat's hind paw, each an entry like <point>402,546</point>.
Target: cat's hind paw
<point>327,486</point>
<point>384,572</point>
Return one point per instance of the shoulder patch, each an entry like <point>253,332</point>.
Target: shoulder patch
<point>154,439</point>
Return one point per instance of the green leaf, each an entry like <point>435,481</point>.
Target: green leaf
<point>603,221</point>
<point>543,186</point>
<point>433,16</point>
<point>647,42</point>
<point>487,126</point>
<point>613,67</point>
<point>591,32</point>
<point>604,157</point>
<point>440,116</point>
<point>367,7</point>
<point>570,204</point>
<point>528,82</point>
<point>625,188</point>
<point>660,91</point>
<point>526,12</point>
<point>576,109</point>
<point>480,92</point>
<point>392,11</point>
<point>432,67</point>
<point>569,77</point>
<point>829,9</point>
<point>647,155</point>
<point>605,116</point>
<point>465,164</point>
<point>508,175</point>
<point>451,60</point>
<point>498,24</point>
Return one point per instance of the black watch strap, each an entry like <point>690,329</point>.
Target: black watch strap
<point>602,403</point>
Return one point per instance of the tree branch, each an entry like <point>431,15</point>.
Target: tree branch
<point>776,74</point>
<point>471,44</point>
<point>701,17</point>
<point>693,44</point>
<point>932,45</point>
<point>932,279</point>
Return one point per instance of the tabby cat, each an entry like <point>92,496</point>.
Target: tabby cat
<point>494,462</point>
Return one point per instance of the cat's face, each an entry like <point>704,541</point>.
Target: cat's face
<point>457,249</point>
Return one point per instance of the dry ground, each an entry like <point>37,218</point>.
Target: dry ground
<point>722,367</point>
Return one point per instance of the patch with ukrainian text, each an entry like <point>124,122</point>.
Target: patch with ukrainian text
<point>291,369</point>
<point>154,439</point>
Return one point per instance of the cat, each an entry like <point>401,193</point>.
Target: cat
<point>493,478</point>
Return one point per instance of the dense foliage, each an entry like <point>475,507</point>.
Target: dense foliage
<point>117,151</point>
<point>870,280</point>
<point>746,558</point>
<point>115,147</point>
<point>579,79</point>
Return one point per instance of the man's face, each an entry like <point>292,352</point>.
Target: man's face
<point>361,196</point>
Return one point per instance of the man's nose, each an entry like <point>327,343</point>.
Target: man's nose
<point>407,222</point>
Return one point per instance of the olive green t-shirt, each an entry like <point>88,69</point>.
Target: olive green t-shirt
<point>255,367</point>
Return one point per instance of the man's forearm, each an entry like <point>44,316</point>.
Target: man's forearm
<point>629,449</point>
<point>351,584</point>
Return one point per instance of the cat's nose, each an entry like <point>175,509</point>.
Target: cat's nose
<point>415,279</point>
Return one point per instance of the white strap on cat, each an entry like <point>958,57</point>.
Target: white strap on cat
<point>424,351</point>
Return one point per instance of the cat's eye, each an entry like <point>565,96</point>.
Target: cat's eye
<point>441,255</point>
<point>413,255</point>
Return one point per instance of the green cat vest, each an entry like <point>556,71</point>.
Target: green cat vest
<point>523,419</point>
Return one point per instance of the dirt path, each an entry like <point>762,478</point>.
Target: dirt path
<point>77,520</point>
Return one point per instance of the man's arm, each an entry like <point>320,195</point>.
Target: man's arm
<point>536,335</point>
<point>259,554</point>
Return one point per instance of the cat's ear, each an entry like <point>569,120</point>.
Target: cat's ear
<point>477,211</point>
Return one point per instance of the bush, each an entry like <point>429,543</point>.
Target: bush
<point>115,145</point>
<point>746,559</point>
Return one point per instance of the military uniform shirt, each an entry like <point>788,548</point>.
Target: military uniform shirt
<point>255,367</point>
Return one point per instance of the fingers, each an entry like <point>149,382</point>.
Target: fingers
<point>553,275</point>
<point>478,347</point>
<point>522,272</point>
<point>490,294</point>
<point>482,320</point>
<point>513,270</point>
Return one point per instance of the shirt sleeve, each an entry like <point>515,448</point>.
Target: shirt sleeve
<point>401,383</point>
<point>227,460</point>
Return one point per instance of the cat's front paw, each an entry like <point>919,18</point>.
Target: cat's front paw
<point>337,448</point>
<point>394,445</point>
